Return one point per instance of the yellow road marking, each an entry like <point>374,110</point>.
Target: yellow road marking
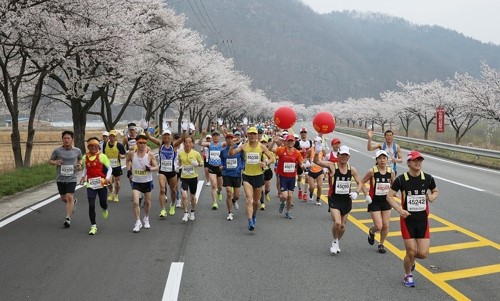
<point>459,246</point>
<point>466,273</point>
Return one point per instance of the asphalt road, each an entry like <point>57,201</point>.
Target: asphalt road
<point>281,260</point>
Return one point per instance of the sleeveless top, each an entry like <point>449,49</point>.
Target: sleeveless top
<point>214,154</point>
<point>341,184</point>
<point>253,156</point>
<point>380,184</point>
<point>167,157</point>
<point>139,173</point>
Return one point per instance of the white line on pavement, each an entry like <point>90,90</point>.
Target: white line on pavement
<point>171,291</point>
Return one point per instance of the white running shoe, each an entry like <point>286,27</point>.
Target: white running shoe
<point>137,227</point>
<point>318,203</point>
<point>146,222</point>
<point>236,206</point>
<point>334,249</point>
<point>185,217</point>
<point>178,203</point>
<point>191,216</point>
<point>230,216</point>
<point>311,199</point>
<point>207,183</point>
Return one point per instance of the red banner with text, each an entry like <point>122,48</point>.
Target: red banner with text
<point>440,119</point>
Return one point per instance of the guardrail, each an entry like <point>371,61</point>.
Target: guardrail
<point>479,152</point>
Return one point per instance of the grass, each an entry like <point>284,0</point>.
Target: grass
<point>23,178</point>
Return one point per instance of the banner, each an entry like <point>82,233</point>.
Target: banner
<point>440,119</point>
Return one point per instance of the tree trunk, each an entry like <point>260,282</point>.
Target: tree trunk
<point>79,123</point>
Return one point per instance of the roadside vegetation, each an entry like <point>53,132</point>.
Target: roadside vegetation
<point>24,178</point>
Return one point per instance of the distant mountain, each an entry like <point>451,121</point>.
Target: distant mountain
<point>293,53</point>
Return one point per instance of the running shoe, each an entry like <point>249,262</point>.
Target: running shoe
<point>381,249</point>
<point>282,206</point>
<point>185,217</point>
<point>408,281</point>
<point>75,200</point>
<point>137,226</point>
<point>105,214</point>
<point>251,225</point>
<point>171,211</point>
<point>262,206</point>
<point>215,206</point>
<point>93,230</point>
<point>207,183</point>
<point>318,203</point>
<point>229,217</point>
<point>110,196</point>
<point>146,222</point>
<point>178,203</point>
<point>334,247</point>
<point>116,199</point>
<point>300,194</point>
<point>304,197</point>
<point>236,206</point>
<point>288,215</point>
<point>191,216</point>
<point>311,199</point>
<point>67,222</point>
<point>219,196</point>
<point>163,212</point>
<point>371,237</point>
<point>268,198</point>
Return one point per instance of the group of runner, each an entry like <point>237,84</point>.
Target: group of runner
<point>247,161</point>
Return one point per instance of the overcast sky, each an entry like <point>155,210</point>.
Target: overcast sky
<point>478,19</point>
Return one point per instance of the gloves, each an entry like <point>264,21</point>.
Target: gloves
<point>245,121</point>
<point>144,124</point>
<point>194,163</point>
<point>354,195</point>
<point>220,121</point>
<point>192,127</point>
<point>368,199</point>
<point>307,164</point>
<point>318,147</point>
<point>148,168</point>
<point>184,126</point>
<point>129,174</point>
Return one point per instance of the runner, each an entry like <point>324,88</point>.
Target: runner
<point>380,177</point>
<point>303,146</point>
<point>391,148</point>
<point>231,175</point>
<point>253,173</point>
<point>268,175</point>
<point>96,175</point>
<point>68,161</point>
<point>105,139</point>
<point>140,164</point>
<point>115,151</point>
<point>189,160</point>
<point>289,159</point>
<point>339,196</point>
<point>315,173</point>
<point>414,210</point>
<point>204,154</point>
<point>167,156</point>
<point>129,141</point>
<point>214,165</point>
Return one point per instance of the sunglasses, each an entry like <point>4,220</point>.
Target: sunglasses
<point>141,142</point>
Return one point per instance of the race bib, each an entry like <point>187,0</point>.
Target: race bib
<point>253,158</point>
<point>166,165</point>
<point>214,154</point>
<point>382,188</point>
<point>95,183</point>
<point>114,162</point>
<point>67,170</point>
<point>188,170</point>
<point>342,187</point>
<point>416,203</point>
<point>232,163</point>
<point>140,172</point>
<point>288,167</point>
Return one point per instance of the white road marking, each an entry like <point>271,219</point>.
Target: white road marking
<point>171,292</point>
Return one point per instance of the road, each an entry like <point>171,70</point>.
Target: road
<point>213,259</point>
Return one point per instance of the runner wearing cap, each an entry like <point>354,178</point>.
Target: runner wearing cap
<point>380,178</point>
<point>303,146</point>
<point>167,156</point>
<point>253,173</point>
<point>189,160</point>
<point>268,175</point>
<point>129,139</point>
<point>105,138</point>
<point>204,154</point>
<point>339,195</point>
<point>315,173</point>
<point>96,175</point>
<point>140,165</point>
<point>231,175</point>
<point>214,165</point>
<point>115,151</point>
<point>391,148</point>
<point>289,159</point>
<point>413,210</point>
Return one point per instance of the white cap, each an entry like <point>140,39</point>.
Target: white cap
<point>344,150</point>
<point>381,152</point>
<point>105,133</point>
<point>208,136</point>
<point>167,131</point>
<point>318,139</point>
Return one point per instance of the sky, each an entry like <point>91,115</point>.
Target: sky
<point>478,19</point>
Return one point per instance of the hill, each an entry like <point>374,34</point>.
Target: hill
<point>293,53</point>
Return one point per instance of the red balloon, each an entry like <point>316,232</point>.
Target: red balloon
<point>324,122</point>
<point>285,117</point>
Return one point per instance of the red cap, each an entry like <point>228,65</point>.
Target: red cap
<point>289,137</point>
<point>414,155</point>
<point>303,130</point>
<point>335,141</point>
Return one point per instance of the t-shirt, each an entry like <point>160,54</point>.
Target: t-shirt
<point>68,170</point>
